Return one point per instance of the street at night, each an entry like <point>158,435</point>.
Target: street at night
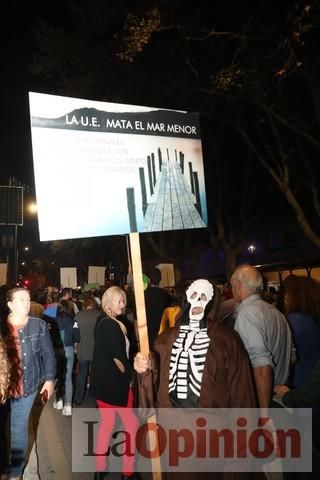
<point>160,238</point>
<point>51,455</point>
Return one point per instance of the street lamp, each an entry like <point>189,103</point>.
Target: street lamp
<point>251,249</point>
<point>32,207</point>
<point>12,207</point>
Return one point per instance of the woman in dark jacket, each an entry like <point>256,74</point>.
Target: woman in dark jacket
<point>305,396</point>
<point>301,297</point>
<point>111,379</point>
<point>69,334</point>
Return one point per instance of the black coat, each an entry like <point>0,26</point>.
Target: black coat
<point>156,300</point>
<point>108,383</point>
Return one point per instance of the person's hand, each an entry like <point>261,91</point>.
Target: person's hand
<point>280,390</point>
<point>49,387</point>
<point>141,363</point>
<point>269,432</point>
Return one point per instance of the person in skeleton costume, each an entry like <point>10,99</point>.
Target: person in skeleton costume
<point>189,350</point>
<point>197,363</point>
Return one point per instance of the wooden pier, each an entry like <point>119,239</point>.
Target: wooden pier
<point>172,205</point>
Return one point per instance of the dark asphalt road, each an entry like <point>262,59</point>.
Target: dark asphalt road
<point>51,454</point>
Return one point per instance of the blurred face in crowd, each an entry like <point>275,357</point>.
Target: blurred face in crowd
<point>20,303</point>
<point>117,304</point>
<point>236,287</point>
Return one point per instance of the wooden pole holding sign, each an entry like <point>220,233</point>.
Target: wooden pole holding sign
<point>139,292</point>
<point>142,326</point>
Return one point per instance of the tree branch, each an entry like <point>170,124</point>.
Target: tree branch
<point>213,33</point>
<point>282,120</point>
<point>311,183</point>
<point>283,183</point>
<point>302,220</point>
<point>261,158</point>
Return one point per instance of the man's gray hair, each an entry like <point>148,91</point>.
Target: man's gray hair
<point>249,277</point>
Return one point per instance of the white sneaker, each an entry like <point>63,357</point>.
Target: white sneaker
<point>58,404</point>
<point>67,410</point>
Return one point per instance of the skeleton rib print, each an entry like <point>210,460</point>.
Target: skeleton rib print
<point>188,356</point>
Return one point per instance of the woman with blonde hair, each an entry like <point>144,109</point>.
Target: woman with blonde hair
<point>111,380</point>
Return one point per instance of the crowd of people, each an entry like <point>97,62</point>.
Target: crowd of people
<point>210,347</point>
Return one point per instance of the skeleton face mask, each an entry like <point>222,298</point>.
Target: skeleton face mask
<point>199,295</point>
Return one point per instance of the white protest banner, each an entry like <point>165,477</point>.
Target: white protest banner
<point>97,275</point>
<point>68,277</point>
<point>167,275</point>
<point>133,168</point>
<point>3,273</point>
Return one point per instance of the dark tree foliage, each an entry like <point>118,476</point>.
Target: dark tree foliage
<point>251,68</point>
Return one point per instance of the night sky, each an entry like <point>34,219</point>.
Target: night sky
<point>22,20</point>
<point>16,156</point>
<point>15,129</point>
<point>19,42</point>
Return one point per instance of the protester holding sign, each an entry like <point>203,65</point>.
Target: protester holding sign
<point>216,375</point>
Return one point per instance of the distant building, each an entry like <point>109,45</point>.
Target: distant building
<point>278,249</point>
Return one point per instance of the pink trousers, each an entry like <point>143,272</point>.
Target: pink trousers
<point>129,425</point>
